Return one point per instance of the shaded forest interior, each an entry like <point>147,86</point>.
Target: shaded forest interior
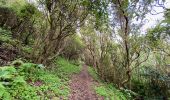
<point>43,43</point>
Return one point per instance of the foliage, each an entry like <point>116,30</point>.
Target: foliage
<point>27,49</point>
<point>65,68</point>
<point>98,9</point>
<point>16,5</point>
<point>106,34</point>
<point>56,31</point>
<point>8,78</point>
<point>5,36</point>
<point>110,92</point>
<point>31,81</point>
<point>74,47</point>
<point>152,83</point>
<point>93,73</point>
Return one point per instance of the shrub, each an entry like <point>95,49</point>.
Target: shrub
<point>152,84</point>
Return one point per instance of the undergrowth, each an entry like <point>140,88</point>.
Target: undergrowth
<point>65,69</point>
<point>28,81</point>
<point>93,73</point>
<point>108,91</point>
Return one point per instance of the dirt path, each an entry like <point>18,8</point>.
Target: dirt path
<point>81,86</point>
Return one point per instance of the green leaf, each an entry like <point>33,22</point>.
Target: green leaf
<point>19,79</point>
<point>7,72</point>
<point>2,90</point>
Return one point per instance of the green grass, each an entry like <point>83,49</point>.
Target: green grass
<point>53,84</point>
<point>108,91</point>
<point>93,73</point>
<point>65,68</point>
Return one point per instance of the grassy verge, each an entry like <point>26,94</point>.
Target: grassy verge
<point>108,91</point>
<point>65,68</point>
<point>93,73</point>
<point>33,82</point>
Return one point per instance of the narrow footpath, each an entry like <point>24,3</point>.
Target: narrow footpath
<point>81,86</point>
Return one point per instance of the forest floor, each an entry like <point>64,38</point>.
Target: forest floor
<point>82,86</point>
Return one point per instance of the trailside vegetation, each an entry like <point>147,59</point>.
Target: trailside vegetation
<point>44,42</point>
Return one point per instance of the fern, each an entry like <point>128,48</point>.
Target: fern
<point>3,93</point>
<point>7,72</point>
<point>19,80</point>
<point>2,89</point>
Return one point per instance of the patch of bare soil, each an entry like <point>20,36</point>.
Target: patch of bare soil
<point>81,87</point>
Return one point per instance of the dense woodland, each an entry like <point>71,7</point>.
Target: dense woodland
<point>44,42</point>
